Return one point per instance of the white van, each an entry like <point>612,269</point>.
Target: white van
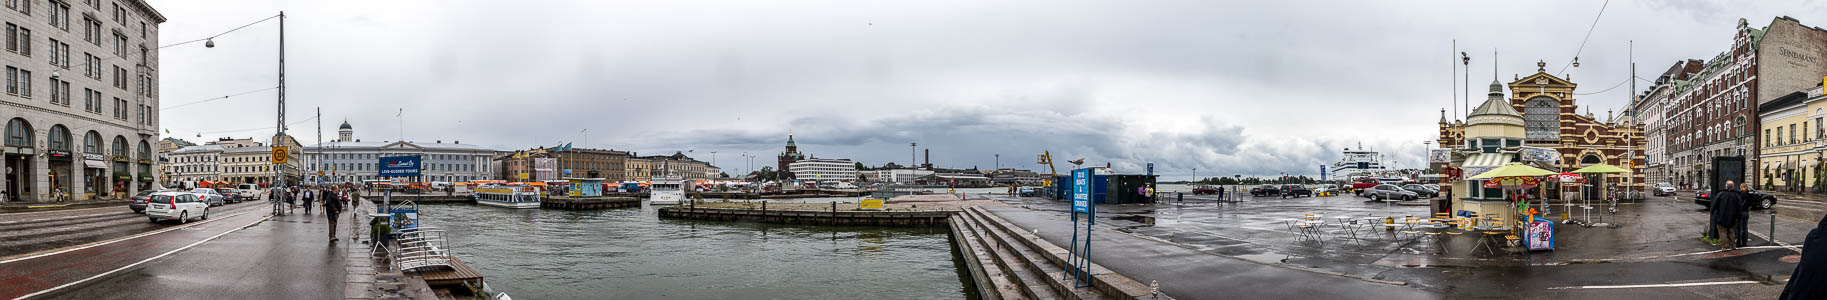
<point>178,206</point>
<point>248,192</point>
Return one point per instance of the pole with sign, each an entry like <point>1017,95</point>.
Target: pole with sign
<point>1081,203</point>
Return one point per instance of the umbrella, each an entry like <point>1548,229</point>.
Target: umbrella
<point>1601,169</point>
<point>1513,170</point>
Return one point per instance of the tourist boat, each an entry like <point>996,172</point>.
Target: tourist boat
<point>669,189</point>
<point>1358,164</point>
<point>507,196</point>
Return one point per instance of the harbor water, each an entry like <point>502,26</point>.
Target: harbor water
<point>632,254</point>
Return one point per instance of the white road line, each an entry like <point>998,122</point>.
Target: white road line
<point>1652,285</point>
<point>149,259</point>
<point>57,218</point>
<point>97,244</point>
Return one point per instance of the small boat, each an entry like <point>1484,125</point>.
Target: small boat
<point>507,196</point>
<point>669,189</point>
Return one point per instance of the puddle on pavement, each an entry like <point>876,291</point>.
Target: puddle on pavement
<point>1146,220</point>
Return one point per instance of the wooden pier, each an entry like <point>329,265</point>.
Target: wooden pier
<point>569,203</point>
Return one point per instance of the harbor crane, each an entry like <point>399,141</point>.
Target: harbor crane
<point>1046,158</point>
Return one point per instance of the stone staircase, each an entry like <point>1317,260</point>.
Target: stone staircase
<point>1009,263</point>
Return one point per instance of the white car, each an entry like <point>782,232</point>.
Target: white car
<point>178,206</point>
<point>1664,188</point>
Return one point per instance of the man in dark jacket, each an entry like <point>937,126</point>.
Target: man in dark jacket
<point>1809,281</point>
<point>1727,203</point>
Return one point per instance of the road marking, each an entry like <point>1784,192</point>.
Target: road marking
<point>97,244</point>
<point>1798,250</point>
<point>1652,285</point>
<point>149,259</point>
<point>59,218</point>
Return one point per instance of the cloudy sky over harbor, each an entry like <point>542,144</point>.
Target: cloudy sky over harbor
<point>1227,87</point>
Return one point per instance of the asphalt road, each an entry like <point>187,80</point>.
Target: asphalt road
<point>286,257</point>
<point>110,252</point>
<point>29,232</point>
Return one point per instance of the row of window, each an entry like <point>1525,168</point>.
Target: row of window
<point>1783,140</point>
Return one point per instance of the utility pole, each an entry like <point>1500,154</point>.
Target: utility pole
<point>313,160</point>
<point>1467,61</point>
<point>279,136</point>
<point>1455,94</point>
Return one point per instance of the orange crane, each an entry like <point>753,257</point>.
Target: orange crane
<point>1046,158</point>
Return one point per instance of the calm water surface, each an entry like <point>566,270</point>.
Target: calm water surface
<point>632,254</point>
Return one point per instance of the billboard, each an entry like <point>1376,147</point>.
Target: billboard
<point>399,166</point>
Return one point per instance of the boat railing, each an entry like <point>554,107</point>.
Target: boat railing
<point>422,247</point>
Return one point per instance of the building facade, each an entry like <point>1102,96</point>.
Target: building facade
<point>1550,119</point>
<point>118,43</point>
<point>638,168</point>
<point>1790,147</point>
<point>900,176</point>
<point>196,163</point>
<point>824,171</point>
<point>1714,112</point>
<point>354,162</point>
<point>788,157</point>
<point>593,163</point>
<point>1650,109</point>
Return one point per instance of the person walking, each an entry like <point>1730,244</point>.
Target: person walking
<point>1727,204</point>
<point>309,195</point>
<point>1809,281</point>
<point>332,209</point>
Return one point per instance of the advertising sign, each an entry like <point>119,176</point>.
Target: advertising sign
<point>1081,190</point>
<point>1540,236</point>
<point>872,204</point>
<point>399,166</point>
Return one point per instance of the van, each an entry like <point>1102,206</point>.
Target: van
<point>247,191</point>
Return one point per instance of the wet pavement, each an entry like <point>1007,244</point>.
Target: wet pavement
<point>1654,243</point>
<point>286,257</point>
<point>59,269</point>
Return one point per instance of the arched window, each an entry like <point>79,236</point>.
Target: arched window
<point>18,133</point>
<point>92,143</point>
<point>1542,119</point>
<point>120,146</point>
<point>60,138</point>
<point>145,150</point>
<point>1740,122</point>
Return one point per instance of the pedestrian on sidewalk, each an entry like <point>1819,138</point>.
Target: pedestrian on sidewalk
<point>332,209</point>
<point>1725,215</point>
<point>309,195</point>
<point>1809,281</point>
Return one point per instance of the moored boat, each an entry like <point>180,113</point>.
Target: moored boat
<point>508,196</point>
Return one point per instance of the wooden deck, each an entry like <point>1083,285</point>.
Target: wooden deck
<point>459,274</point>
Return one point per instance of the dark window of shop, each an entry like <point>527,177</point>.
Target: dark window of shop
<point>92,143</point>
<point>60,138</point>
<point>18,133</point>
<point>1490,145</point>
<point>120,146</point>
<point>1589,159</point>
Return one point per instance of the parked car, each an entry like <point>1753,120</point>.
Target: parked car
<point>1295,191</point>
<point>229,195</point>
<point>1422,190</point>
<point>209,196</point>
<point>181,207</point>
<point>139,201</point>
<point>1323,189</point>
<point>1759,200</point>
<point>1029,191</point>
<point>1264,190</point>
<point>248,192</point>
<point>1389,191</point>
<point>1664,189</point>
<point>1358,187</point>
<point>1205,190</point>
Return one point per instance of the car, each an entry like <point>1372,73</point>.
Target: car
<point>1264,190</point>
<point>176,206</point>
<point>229,195</point>
<point>1358,187</point>
<point>209,196</point>
<point>1029,191</point>
<point>1295,191</point>
<point>1759,200</point>
<point>1325,189</point>
<point>138,205</point>
<point>1422,190</point>
<point>1663,189</point>
<point>1390,191</point>
<point>1205,190</point>
<point>247,191</point>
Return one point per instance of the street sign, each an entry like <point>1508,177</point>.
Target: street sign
<point>1081,190</point>
<point>1151,169</point>
<point>523,176</point>
<point>399,166</point>
<point>279,155</point>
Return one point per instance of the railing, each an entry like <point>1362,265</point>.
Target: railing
<point>422,247</point>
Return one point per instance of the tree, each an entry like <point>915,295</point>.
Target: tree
<point>724,174</point>
<point>859,166</point>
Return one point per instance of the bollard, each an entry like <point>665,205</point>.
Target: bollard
<point>1178,197</point>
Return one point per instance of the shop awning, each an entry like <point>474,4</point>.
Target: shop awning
<point>1487,160</point>
<point>94,164</point>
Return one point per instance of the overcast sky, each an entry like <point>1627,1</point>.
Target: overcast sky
<point>1227,87</point>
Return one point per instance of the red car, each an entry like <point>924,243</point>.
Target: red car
<point>1206,191</point>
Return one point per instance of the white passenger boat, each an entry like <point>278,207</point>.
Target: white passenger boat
<point>669,189</point>
<point>508,196</point>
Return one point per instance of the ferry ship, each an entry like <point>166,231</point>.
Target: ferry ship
<point>1358,164</point>
<point>669,189</point>
<point>507,196</point>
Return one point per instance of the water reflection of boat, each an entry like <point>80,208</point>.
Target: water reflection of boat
<point>669,189</point>
<point>508,196</point>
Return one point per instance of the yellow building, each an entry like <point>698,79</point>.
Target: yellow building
<point>1791,130</point>
<point>638,169</point>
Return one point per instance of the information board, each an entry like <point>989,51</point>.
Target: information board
<point>399,166</point>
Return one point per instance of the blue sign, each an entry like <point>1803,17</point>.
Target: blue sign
<point>1081,190</point>
<point>1151,169</point>
<point>399,166</point>
<point>1322,172</point>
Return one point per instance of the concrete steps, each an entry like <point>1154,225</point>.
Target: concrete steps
<point>992,283</point>
<point>1037,278</point>
<point>1107,284</point>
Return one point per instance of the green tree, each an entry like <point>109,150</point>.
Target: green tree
<point>724,174</point>
<point>859,166</point>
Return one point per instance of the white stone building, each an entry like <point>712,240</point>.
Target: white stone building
<point>823,170</point>
<point>117,42</point>
<point>351,161</point>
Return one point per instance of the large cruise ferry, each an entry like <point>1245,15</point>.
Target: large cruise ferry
<point>1358,164</point>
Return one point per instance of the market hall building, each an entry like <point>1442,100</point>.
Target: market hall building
<point>1547,106</point>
